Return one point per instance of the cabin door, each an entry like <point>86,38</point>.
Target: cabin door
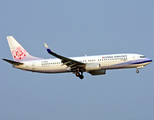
<point>33,65</point>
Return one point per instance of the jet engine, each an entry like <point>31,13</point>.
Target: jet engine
<point>93,67</point>
<point>98,72</point>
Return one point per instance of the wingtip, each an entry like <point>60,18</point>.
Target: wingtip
<point>46,45</point>
<point>48,49</point>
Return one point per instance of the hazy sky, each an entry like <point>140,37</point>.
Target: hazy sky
<point>75,28</point>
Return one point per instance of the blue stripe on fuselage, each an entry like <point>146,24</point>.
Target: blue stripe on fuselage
<point>139,61</point>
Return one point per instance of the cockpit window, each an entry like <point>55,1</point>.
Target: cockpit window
<point>142,56</point>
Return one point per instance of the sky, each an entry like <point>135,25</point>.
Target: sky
<point>75,28</point>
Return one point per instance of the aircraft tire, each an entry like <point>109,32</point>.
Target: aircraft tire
<point>137,71</point>
<point>81,76</point>
<point>78,74</point>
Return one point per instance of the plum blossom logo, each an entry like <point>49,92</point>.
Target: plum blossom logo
<point>19,53</point>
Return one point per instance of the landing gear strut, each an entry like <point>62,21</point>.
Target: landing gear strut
<point>80,75</point>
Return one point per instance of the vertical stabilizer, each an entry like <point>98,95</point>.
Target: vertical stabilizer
<point>18,52</point>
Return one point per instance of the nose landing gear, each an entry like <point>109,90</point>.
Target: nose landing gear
<point>137,71</point>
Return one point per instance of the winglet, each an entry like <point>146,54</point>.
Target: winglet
<point>48,49</point>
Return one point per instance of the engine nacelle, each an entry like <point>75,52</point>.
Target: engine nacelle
<point>98,72</point>
<point>93,67</point>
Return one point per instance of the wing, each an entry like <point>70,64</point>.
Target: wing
<point>73,64</point>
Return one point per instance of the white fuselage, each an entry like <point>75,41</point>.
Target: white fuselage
<point>94,65</point>
<point>113,61</point>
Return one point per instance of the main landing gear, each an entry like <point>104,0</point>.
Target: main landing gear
<point>80,75</point>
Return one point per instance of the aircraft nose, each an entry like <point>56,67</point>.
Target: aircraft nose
<point>149,60</point>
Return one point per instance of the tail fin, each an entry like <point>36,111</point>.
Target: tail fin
<point>18,52</point>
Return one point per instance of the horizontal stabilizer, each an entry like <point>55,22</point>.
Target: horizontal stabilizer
<point>13,62</point>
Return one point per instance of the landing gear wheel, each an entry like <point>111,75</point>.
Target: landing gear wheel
<point>81,76</point>
<point>137,71</point>
<point>77,74</point>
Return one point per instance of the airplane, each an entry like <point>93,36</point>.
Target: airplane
<point>95,65</point>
